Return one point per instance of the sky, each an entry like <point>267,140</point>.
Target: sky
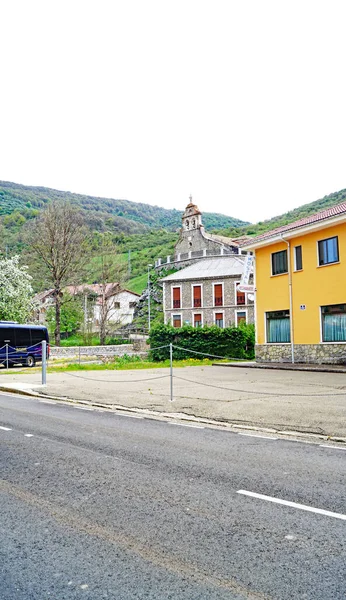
<point>240,103</point>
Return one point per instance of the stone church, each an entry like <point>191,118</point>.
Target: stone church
<point>195,243</point>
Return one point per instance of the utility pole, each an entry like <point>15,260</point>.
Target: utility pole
<point>129,264</point>
<point>149,267</point>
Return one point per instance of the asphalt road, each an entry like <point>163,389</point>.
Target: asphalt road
<point>98,505</point>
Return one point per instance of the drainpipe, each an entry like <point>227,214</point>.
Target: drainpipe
<point>290,295</point>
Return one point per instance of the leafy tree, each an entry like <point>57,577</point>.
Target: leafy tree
<point>58,237</point>
<point>71,316</point>
<point>16,303</point>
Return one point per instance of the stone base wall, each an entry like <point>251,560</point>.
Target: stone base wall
<point>64,352</point>
<point>332,354</point>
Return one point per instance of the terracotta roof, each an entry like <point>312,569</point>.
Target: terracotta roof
<point>328,213</point>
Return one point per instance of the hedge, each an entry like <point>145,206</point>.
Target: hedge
<point>231,342</point>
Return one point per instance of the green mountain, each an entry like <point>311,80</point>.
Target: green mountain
<point>288,217</point>
<point>20,202</point>
<point>142,232</point>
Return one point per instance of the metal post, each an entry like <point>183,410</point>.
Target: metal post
<point>44,362</point>
<point>171,369</point>
<point>79,353</point>
<point>149,267</point>
<point>7,356</point>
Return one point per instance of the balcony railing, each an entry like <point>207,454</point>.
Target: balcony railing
<point>197,303</point>
<point>176,303</point>
<point>218,301</point>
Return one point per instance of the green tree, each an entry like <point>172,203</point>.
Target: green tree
<point>71,315</point>
<point>16,294</point>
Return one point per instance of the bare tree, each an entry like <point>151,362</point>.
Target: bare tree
<point>111,275</point>
<point>58,238</point>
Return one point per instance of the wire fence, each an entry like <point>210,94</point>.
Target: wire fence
<point>172,376</point>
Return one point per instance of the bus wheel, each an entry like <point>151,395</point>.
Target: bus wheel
<point>30,361</point>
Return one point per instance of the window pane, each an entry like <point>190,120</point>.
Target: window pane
<point>176,321</point>
<point>37,336</point>
<point>7,336</point>
<point>334,323</point>
<point>23,337</point>
<point>278,327</point>
<point>241,317</point>
<point>279,262</point>
<point>197,320</point>
<point>219,319</point>
<point>299,258</point>
<point>328,251</point>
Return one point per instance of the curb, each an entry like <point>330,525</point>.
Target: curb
<point>283,367</point>
<point>160,416</point>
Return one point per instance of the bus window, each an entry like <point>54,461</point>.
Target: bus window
<point>37,336</point>
<point>22,337</point>
<point>7,336</point>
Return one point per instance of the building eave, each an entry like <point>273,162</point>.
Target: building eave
<point>293,233</point>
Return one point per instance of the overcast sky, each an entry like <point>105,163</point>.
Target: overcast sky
<point>239,103</point>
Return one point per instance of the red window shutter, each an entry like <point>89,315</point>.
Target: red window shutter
<point>197,292</point>
<point>176,297</point>
<point>218,300</point>
<point>176,321</point>
<point>218,317</point>
<point>197,296</point>
<point>197,319</point>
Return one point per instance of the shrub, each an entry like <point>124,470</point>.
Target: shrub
<point>231,342</point>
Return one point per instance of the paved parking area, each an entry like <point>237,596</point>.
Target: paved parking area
<point>288,400</point>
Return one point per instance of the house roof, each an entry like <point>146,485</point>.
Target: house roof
<point>313,220</point>
<point>210,268</point>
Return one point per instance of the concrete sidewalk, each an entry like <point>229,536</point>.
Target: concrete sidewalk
<point>311,402</point>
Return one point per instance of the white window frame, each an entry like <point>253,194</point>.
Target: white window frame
<point>223,292</point>
<point>235,295</point>
<point>197,312</point>
<point>223,317</point>
<point>181,296</point>
<point>176,314</point>
<point>193,285</point>
<point>241,311</point>
<point>321,323</point>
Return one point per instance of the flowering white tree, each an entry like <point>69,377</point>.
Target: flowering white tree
<point>16,303</point>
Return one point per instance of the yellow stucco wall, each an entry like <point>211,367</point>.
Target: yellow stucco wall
<point>314,286</point>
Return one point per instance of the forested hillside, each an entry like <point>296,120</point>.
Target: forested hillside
<point>100,213</point>
<point>289,217</point>
<point>141,232</point>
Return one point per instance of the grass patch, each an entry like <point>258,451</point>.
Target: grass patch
<point>130,362</point>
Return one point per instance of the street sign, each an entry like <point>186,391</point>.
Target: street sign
<point>247,270</point>
<point>248,289</point>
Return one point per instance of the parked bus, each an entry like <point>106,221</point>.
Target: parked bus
<point>21,344</point>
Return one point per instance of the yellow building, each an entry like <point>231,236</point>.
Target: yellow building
<point>300,279</point>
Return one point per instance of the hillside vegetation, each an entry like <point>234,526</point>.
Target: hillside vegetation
<point>141,232</point>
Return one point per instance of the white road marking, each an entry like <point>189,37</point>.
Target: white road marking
<point>262,437</point>
<point>319,511</point>
<point>47,401</point>
<point>28,435</point>
<point>186,425</point>
<point>83,408</point>
<point>6,428</point>
<point>333,447</point>
<point>132,416</point>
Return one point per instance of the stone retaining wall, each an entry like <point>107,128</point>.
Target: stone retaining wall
<point>66,352</point>
<point>332,354</point>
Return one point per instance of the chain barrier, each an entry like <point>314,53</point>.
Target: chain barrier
<point>115,380</point>
<point>205,353</point>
